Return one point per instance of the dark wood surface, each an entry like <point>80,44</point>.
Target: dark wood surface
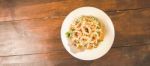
<point>30,32</point>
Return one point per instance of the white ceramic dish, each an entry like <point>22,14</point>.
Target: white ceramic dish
<point>105,45</point>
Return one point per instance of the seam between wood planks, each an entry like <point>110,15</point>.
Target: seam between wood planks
<point>46,17</point>
<point>64,51</point>
<point>122,10</point>
<point>29,54</point>
<point>130,45</point>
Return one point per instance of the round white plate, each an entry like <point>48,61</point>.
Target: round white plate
<point>104,46</point>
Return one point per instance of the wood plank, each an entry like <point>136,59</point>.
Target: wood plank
<point>26,9</point>
<point>30,32</point>
<point>43,35</point>
<point>126,56</point>
<point>131,27</point>
<point>30,36</point>
<point>5,11</point>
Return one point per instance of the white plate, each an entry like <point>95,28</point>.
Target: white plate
<point>105,44</point>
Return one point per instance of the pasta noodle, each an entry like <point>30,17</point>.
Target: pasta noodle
<point>86,32</point>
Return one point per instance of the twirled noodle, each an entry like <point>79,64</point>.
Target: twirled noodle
<point>86,32</point>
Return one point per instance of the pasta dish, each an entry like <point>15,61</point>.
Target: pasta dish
<point>86,32</point>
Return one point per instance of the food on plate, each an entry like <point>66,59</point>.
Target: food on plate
<point>86,32</point>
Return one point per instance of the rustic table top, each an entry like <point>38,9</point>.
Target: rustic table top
<point>30,32</point>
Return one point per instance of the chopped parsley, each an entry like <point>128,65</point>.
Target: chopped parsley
<point>68,34</point>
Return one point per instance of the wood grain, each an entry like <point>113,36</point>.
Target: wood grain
<point>126,56</point>
<point>131,27</point>
<point>26,9</point>
<point>30,32</point>
<point>5,13</point>
<point>43,35</point>
<point>30,36</point>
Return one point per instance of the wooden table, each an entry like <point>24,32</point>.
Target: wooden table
<point>30,32</point>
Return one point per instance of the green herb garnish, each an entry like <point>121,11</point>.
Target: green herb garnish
<point>68,34</point>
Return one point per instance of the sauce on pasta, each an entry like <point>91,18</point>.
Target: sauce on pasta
<point>86,32</point>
